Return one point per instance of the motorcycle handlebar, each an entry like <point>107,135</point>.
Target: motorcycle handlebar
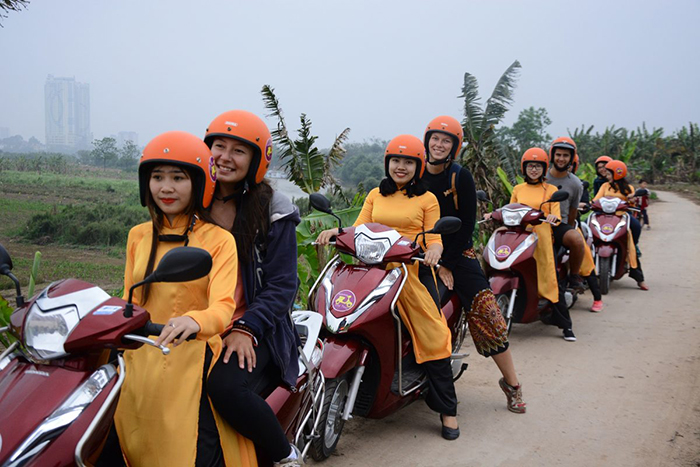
<point>154,329</point>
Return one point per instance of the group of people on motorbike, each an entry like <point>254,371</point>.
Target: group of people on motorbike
<point>202,404</point>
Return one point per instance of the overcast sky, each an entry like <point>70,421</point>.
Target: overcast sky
<point>379,67</point>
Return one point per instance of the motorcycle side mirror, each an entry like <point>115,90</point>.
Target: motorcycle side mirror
<point>640,192</point>
<point>181,264</point>
<point>5,268</point>
<point>560,195</point>
<point>5,261</point>
<point>446,225</point>
<point>481,195</point>
<point>585,184</point>
<point>320,203</point>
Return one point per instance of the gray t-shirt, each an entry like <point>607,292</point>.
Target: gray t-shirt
<point>572,184</point>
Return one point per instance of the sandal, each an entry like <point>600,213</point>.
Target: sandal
<point>514,395</point>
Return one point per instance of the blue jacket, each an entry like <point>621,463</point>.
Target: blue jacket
<point>273,274</point>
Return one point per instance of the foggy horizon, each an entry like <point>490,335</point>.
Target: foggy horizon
<point>379,69</point>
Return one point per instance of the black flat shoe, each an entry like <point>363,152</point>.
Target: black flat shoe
<point>448,433</point>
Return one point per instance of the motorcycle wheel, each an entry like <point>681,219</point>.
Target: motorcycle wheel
<point>331,423</point>
<point>604,275</point>
<point>503,302</point>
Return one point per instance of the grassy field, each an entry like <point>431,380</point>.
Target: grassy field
<point>26,194</point>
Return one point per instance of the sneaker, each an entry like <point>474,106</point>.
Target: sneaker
<point>597,305</point>
<point>576,283</point>
<point>294,459</point>
<point>648,227</point>
<point>569,335</point>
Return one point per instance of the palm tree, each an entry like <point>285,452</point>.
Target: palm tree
<point>307,167</point>
<point>483,153</point>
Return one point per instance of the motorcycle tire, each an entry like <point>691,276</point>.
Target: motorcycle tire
<point>503,302</point>
<point>604,275</point>
<point>331,422</point>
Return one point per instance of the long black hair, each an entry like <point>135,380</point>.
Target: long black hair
<point>415,187</point>
<point>252,220</point>
<point>622,186</point>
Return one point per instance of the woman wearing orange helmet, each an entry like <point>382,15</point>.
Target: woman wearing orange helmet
<point>533,192</point>
<point>402,196</point>
<point>601,173</point>
<point>163,416</point>
<point>460,270</point>
<point>261,342</point>
<point>618,187</point>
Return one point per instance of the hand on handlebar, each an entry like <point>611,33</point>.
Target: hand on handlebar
<point>182,326</point>
<point>325,237</point>
<point>552,219</point>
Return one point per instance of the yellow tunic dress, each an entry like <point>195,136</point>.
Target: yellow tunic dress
<point>607,189</point>
<point>534,196</point>
<point>158,412</point>
<point>409,216</point>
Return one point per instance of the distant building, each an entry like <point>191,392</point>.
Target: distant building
<point>4,132</point>
<point>124,136</point>
<point>67,114</point>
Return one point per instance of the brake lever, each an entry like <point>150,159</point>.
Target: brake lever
<point>146,340</point>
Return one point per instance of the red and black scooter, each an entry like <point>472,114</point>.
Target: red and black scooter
<point>368,362</point>
<point>609,232</point>
<point>510,262</point>
<point>57,398</point>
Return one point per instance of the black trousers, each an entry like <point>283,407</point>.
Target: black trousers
<point>441,397</point>
<point>235,393</point>
<point>209,453</point>
<point>636,229</point>
<point>594,285</point>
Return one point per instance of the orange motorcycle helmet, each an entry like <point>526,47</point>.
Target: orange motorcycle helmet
<point>563,142</point>
<point>618,169</point>
<point>535,155</point>
<point>247,128</point>
<point>409,147</point>
<point>449,126</point>
<point>575,164</point>
<point>184,150</point>
<point>602,159</point>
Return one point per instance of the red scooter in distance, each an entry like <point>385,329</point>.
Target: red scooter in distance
<point>609,231</point>
<point>57,400</point>
<point>510,262</point>
<point>368,361</point>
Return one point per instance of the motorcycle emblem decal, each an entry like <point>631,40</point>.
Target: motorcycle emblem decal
<point>107,310</point>
<point>268,150</point>
<point>344,301</point>
<point>212,169</point>
<point>607,228</point>
<point>503,252</point>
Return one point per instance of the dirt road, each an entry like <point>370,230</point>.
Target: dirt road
<point>627,393</point>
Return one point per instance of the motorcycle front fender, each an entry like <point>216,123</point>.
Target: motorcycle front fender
<point>340,356</point>
<point>502,283</point>
<point>606,251</point>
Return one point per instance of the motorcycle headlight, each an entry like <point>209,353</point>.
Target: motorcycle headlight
<point>45,332</point>
<point>62,417</point>
<point>371,251</point>
<point>512,218</point>
<point>608,205</point>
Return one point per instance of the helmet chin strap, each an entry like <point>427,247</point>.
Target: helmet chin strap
<point>445,161</point>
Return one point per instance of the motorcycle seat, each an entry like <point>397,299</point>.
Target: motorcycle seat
<point>308,325</point>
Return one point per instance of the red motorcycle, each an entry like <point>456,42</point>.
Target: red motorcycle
<point>55,367</point>
<point>510,262</point>
<point>609,232</point>
<point>368,360</point>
